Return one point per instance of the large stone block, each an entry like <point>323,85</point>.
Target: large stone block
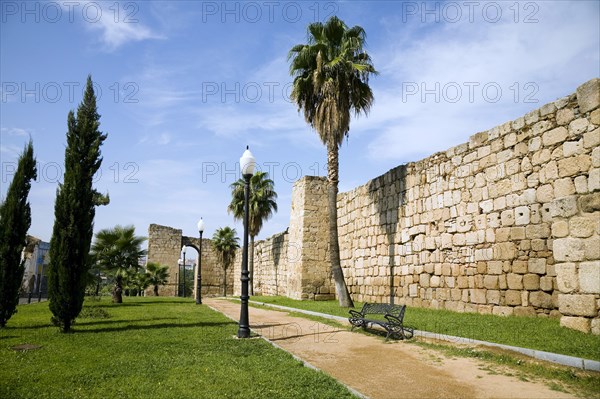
<point>576,323</point>
<point>595,326</point>
<point>493,297</point>
<point>588,95</point>
<point>591,139</point>
<point>525,311</point>
<point>512,297</point>
<point>514,281</point>
<point>567,277</point>
<point>594,180</point>
<point>555,136</point>
<point>592,248</point>
<point>537,265</point>
<point>504,250</point>
<point>571,148</point>
<point>503,310</point>
<point>560,228</point>
<point>564,187</point>
<point>544,193</point>
<point>590,203</point>
<point>596,155</point>
<point>577,305</point>
<point>589,277</point>
<point>519,266</point>
<point>490,282</point>
<point>540,299</point>
<point>564,207</point>
<point>478,296</point>
<point>531,282</point>
<point>568,249</point>
<point>583,226</point>
<point>546,283</point>
<point>574,165</point>
<point>534,231</point>
<point>578,126</point>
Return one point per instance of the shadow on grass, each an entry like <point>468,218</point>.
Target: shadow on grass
<point>85,323</point>
<point>142,303</point>
<point>152,327</point>
<point>30,327</point>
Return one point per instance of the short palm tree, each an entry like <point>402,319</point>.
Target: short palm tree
<point>225,242</point>
<point>117,251</point>
<point>262,204</point>
<point>331,79</point>
<point>157,275</point>
<point>136,282</point>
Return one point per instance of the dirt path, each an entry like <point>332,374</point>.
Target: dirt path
<point>382,370</point>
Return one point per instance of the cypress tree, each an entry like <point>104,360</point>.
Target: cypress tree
<point>74,212</point>
<point>15,219</point>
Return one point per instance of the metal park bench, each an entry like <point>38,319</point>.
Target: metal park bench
<point>392,321</point>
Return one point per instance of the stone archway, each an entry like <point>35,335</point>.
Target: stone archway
<point>164,247</point>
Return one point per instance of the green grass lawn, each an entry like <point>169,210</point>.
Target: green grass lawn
<point>527,332</point>
<point>148,348</point>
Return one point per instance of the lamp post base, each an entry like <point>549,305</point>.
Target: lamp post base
<point>243,332</point>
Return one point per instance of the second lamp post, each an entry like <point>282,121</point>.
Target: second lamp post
<point>247,165</point>
<point>183,262</point>
<point>199,280</point>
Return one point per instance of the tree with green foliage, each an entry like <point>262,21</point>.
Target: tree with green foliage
<point>331,79</point>
<point>262,204</point>
<point>157,275</point>
<point>135,282</point>
<point>74,212</point>
<point>225,242</point>
<point>15,219</point>
<point>118,251</point>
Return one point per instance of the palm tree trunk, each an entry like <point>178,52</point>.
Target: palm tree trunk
<point>251,267</point>
<point>224,281</point>
<point>334,247</point>
<point>156,290</point>
<point>118,290</point>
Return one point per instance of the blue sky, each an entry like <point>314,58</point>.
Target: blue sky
<point>184,86</point>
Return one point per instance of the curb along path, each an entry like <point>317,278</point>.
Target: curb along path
<point>564,360</point>
<point>378,369</point>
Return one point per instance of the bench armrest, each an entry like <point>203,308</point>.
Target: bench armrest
<point>356,314</point>
<point>393,319</point>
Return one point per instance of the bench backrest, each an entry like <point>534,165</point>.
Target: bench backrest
<point>383,308</point>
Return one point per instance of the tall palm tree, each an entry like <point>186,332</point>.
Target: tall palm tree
<point>118,250</point>
<point>225,242</point>
<point>331,79</point>
<point>262,204</point>
<point>157,275</point>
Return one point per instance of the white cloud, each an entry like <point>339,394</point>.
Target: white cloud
<point>16,131</point>
<point>118,24</point>
<point>539,62</point>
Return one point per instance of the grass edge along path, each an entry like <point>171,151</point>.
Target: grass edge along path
<point>538,334</point>
<point>495,360</point>
<point>148,347</point>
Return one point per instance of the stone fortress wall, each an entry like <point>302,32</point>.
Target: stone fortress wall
<point>508,224</point>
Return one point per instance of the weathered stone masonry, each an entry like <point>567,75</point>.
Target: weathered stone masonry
<point>164,247</point>
<point>508,224</point>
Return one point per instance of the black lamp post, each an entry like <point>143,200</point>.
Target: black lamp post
<point>199,279</point>
<point>247,164</point>
<point>183,255</point>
